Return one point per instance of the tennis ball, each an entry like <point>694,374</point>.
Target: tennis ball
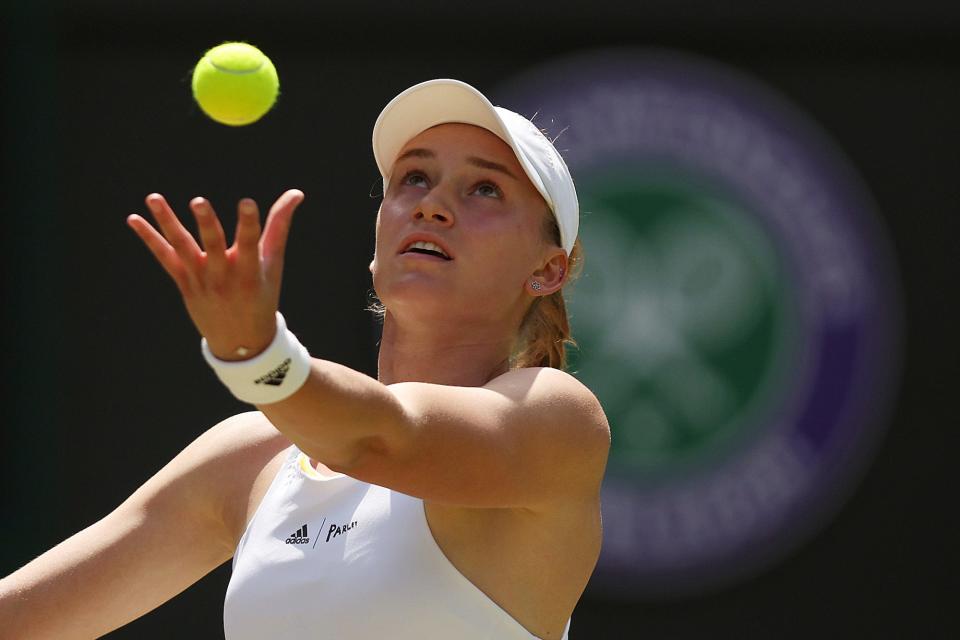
<point>235,83</point>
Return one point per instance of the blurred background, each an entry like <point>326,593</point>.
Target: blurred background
<point>767,310</point>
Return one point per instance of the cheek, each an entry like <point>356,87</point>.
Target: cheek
<point>506,256</point>
<point>387,219</point>
<point>379,237</point>
<point>509,238</point>
<point>392,212</point>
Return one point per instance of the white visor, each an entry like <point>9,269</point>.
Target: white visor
<point>442,101</point>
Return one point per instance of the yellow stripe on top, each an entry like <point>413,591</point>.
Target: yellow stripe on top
<point>307,468</point>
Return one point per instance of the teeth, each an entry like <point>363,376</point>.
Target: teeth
<point>420,244</point>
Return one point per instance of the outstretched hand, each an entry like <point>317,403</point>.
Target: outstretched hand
<point>231,293</point>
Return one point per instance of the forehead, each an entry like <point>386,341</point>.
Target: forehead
<point>468,139</point>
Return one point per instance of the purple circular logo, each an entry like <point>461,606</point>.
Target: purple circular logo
<point>738,317</point>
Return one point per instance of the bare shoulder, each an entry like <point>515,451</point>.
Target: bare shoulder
<point>223,467</point>
<point>236,447</point>
<point>548,382</point>
<point>576,421</point>
<point>246,452</point>
<point>559,393</point>
<point>243,438</point>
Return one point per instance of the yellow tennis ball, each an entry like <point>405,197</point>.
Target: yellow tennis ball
<point>235,83</point>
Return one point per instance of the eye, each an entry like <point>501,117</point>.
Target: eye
<point>488,190</point>
<point>414,179</point>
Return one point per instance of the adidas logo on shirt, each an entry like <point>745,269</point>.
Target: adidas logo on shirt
<point>299,536</point>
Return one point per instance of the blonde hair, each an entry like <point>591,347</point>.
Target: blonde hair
<point>544,331</point>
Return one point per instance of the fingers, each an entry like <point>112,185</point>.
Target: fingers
<point>277,230</point>
<point>247,240</point>
<point>212,236</point>
<point>178,237</point>
<point>162,251</point>
<point>253,258</point>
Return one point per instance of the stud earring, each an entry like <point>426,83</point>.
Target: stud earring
<point>535,285</point>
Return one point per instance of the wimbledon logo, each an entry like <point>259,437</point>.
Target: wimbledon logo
<point>738,315</point>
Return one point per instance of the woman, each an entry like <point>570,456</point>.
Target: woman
<point>456,496</point>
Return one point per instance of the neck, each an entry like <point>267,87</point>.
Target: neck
<point>458,355</point>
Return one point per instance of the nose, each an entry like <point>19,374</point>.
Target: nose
<point>432,207</point>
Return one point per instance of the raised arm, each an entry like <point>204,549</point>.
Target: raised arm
<point>526,439</point>
<point>181,524</point>
<point>529,438</point>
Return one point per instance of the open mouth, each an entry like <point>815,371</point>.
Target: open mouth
<point>428,249</point>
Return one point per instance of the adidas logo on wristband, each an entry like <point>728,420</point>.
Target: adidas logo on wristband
<point>270,377</point>
<point>276,376</point>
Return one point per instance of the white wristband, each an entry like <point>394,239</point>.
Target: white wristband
<point>272,376</point>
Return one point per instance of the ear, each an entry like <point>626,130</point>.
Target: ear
<point>550,276</point>
<point>376,232</point>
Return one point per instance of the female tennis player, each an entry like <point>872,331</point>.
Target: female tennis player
<point>456,496</point>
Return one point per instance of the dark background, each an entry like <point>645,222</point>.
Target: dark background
<point>103,379</point>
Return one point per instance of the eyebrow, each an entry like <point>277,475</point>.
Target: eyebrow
<point>416,153</point>
<point>474,160</point>
<point>494,166</point>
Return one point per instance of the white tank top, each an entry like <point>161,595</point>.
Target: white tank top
<point>343,559</point>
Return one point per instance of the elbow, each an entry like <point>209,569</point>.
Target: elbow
<point>363,443</point>
<point>357,458</point>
